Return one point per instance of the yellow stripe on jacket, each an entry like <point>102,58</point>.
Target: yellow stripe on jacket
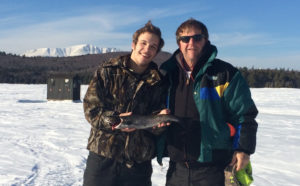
<point>221,88</point>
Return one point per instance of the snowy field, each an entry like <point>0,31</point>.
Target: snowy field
<point>44,142</point>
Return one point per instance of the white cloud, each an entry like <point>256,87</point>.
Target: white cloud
<point>258,50</point>
<point>240,39</point>
<point>98,25</point>
<point>101,26</point>
<point>170,11</point>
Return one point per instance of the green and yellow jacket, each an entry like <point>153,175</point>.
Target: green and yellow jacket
<point>222,96</point>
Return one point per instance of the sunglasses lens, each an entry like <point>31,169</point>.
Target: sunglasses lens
<point>197,37</point>
<point>186,39</point>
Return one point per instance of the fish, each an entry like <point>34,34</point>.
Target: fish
<point>143,121</point>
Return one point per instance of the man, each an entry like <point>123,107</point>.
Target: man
<point>129,84</point>
<point>216,107</point>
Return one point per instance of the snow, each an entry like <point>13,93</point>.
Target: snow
<point>75,50</point>
<point>44,142</point>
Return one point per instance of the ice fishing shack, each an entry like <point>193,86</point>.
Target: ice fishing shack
<point>63,87</point>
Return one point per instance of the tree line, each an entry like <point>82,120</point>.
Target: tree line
<point>36,70</point>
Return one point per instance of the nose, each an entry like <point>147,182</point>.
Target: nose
<point>147,47</point>
<point>192,41</point>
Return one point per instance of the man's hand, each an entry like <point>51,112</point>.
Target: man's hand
<point>164,111</point>
<point>126,129</point>
<point>241,159</point>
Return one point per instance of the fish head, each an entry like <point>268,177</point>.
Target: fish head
<point>125,122</point>
<point>112,120</point>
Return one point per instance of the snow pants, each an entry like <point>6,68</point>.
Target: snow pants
<point>101,171</point>
<point>194,174</point>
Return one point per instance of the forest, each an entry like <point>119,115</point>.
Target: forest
<point>36,70</point>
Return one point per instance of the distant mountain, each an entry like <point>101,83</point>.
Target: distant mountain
<point>76,50</point>
<point>35,70</point>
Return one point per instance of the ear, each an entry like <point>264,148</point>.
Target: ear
<point>132,45</point>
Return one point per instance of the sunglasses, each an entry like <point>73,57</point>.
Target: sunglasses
<point>186,39</point>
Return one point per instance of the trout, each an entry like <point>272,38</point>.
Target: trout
<point>141,121</point>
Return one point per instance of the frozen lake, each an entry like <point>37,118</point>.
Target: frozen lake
<point>44,142</point>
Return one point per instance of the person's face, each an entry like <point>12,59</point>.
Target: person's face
<point>145,49</point>
<point>192,48</point>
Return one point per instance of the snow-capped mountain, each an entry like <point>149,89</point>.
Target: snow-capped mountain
<point>76,50</point>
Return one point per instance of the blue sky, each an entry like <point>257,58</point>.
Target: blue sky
<point>251,33</point>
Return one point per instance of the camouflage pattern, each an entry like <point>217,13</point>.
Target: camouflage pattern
<point>116,89</point>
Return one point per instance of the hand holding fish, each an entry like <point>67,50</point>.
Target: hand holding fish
<point>126,129</point>
<point>163,124</point>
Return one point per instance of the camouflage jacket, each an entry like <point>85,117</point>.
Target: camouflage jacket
<point>116,89</point>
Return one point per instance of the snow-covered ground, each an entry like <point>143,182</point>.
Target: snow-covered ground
<point>44,142</point>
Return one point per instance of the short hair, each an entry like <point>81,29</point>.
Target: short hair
<point>149,27</point>
<point>191,23</point>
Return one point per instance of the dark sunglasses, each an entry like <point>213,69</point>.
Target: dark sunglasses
<point>186,39</point>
